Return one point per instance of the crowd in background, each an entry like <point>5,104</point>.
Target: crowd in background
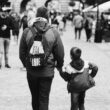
<point>15,22</point>
<point>57,19</point>
<point>80,21</point>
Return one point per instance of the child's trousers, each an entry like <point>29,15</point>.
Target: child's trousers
<point>77,101</point>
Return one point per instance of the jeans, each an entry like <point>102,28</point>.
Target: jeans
<point>88,34</point>
<point>78,31</point>
<point>40,90</point>
<point>77,101</point>
<point>4,48</point>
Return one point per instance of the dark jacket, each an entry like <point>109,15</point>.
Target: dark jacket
<point>51,43</point>
<point>79,66</point>
<point>9,24</point>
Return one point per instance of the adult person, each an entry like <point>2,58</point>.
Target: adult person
<point>78,24</point>
<point>6,26</point>
<point>16,21</point>
<point>30,17</point>
<point>40,78</point>
<point>88,27</point>
<point>64,21</point>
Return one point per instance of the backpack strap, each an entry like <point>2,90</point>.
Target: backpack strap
<point>31,33</point>
<point>34,31</point>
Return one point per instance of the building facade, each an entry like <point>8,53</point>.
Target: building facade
<point>16,4</point>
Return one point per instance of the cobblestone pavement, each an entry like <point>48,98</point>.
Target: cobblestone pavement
<point>14,92</point>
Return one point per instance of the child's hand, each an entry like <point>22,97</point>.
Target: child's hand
<point>59,69</point>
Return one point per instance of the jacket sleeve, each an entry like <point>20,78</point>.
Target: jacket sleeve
<point>65,76</point>
<point>94,69</point>
<point>54,44</point>
<point>58,51</point>
<point>23,48</point>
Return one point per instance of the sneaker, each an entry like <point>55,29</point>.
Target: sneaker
<point>7,66</point>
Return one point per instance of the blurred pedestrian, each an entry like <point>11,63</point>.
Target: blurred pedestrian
<point>53,16</point>
<point>31,17</point>
<point>77,66</point>
<point>64,21</point>
<point>16,21</point>
<point>40,73</point>
<point>78,24</point>
<point>88,27</point>
<point>6,25</point>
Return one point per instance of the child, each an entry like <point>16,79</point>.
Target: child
<point>77,65</point>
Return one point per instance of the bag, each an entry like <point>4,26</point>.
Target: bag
<point>37,55</point>
<point>80,82</point>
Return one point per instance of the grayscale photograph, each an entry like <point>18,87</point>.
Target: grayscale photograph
<point>54,54</point>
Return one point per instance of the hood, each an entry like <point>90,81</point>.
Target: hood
<point>77,64</point>
<point>41,24</point>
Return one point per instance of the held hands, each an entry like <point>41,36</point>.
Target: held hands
<point>59,69</point>
<point>66,76</point>
<point>62,69</point>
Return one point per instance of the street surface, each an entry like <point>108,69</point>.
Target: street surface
<point>14,91</point>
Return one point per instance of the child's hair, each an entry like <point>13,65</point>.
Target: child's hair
<point>75,53</point>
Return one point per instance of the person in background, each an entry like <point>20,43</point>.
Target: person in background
<point>40,78</point>
<point>6,25</point>
<point>16,21</point>
<point>53,16</point>
<point>88,27</point>
<point>64,21</point>
<point>31,17</point>
<point>78,24</point>
<point>24,22</point>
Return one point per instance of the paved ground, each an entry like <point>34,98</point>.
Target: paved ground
<point>14,92</point>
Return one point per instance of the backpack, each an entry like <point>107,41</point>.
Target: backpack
<point>37,56</point>
<point>80,82</point>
